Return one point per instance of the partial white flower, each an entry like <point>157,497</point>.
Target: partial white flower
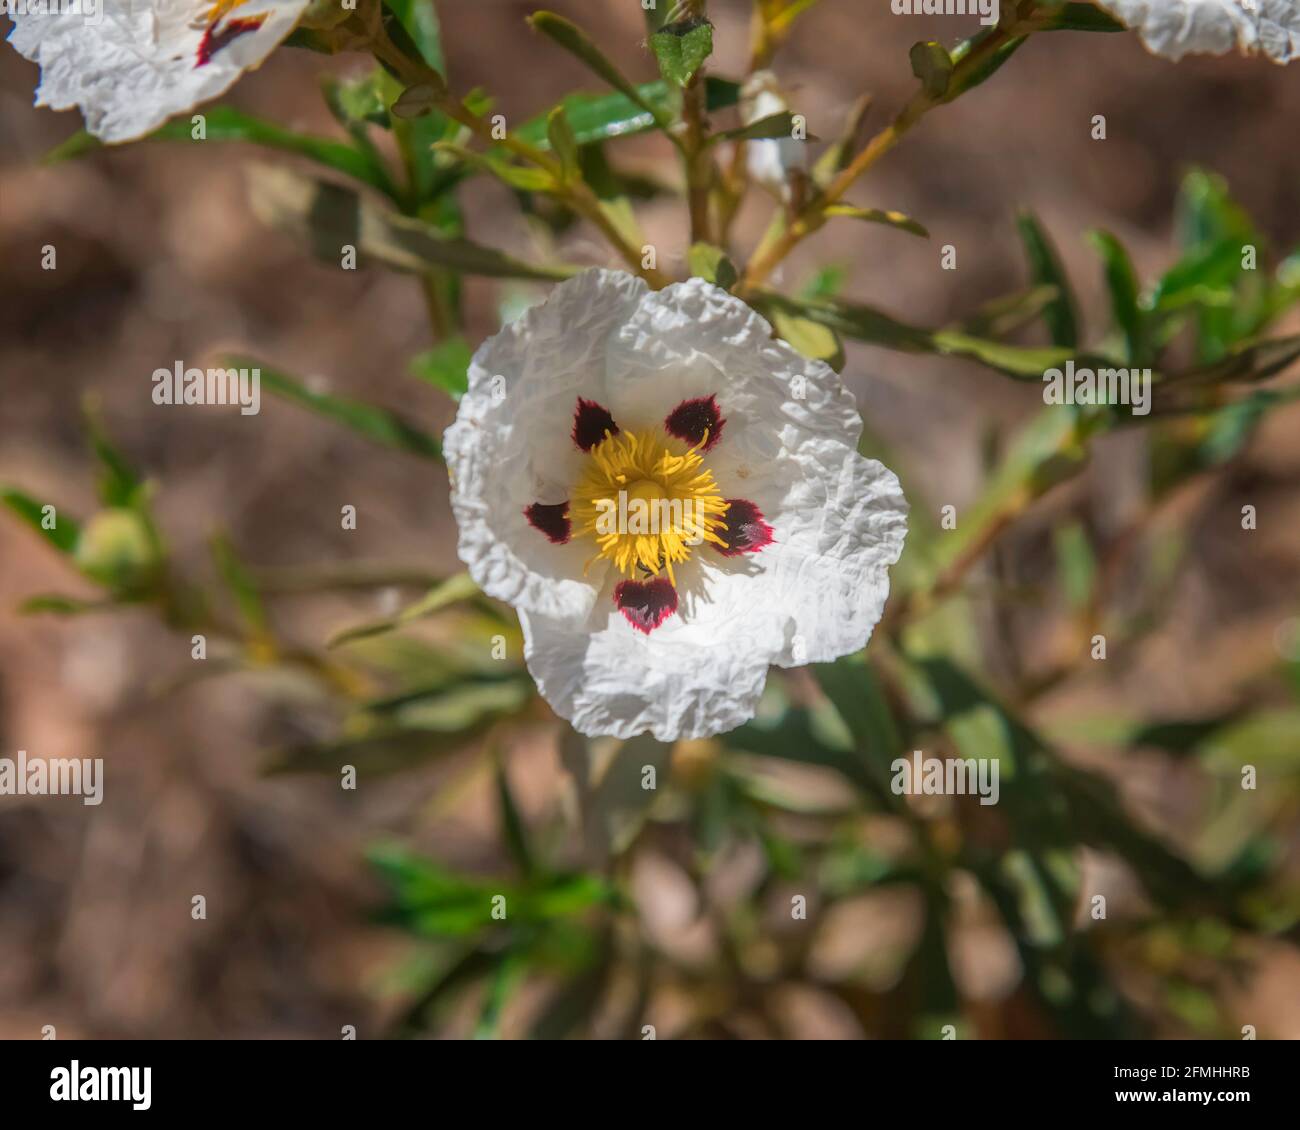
<point>1175,28</point>
<point>775,162</point>
<point>778,552</point>
<point>132,64</point>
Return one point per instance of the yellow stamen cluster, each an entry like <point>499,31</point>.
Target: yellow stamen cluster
<point>221,8</point>
<point>634,474</point>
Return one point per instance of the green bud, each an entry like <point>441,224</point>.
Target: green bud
<point>115,549</point>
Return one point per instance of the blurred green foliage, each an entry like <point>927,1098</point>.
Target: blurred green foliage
<point>567,916</point>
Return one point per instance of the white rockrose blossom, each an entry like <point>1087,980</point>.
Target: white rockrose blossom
<point>609,401</point>
<point>772,162</point>
<point>1175,28</point>
<point>132,64</point>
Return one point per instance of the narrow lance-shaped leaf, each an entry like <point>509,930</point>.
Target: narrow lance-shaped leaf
<point>1121,282</point>
<point>601,117</point>
<point>328,218</point>
<point>1045,269</point>
<point>778,125</point>
<point>58,529</point>
<point>513,830</point>
<point>574,40</point>
<point>225,123</point>
<point>419,19</point>
<point>563,142</point>
<point>1077,17</point>
<point>443,595</point>
<point>879,216</point>
<point>240,583</point>
<point>119,485</point>
<point>375,423</point>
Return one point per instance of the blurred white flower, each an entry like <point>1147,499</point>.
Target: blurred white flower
<point>773,163</point>
<point>1175,28</point>
<point>132,64</point>
<point>681,394</point>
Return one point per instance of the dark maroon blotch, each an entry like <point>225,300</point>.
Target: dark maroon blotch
<point>646,604</point>
<point>591,423</point>
<point>551,518</point>
<point>692,420</point>
<point>214,40</point>
<point>745,531</point>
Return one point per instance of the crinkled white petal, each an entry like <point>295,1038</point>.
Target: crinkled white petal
<point>789,445</point>
<point>510,445</point>
<point>1175,28</point>
<point>132,64</point>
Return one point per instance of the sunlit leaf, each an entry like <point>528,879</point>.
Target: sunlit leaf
<point>879,216</point>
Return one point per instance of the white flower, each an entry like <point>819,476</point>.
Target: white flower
<point>132,64</point>
<point>680,394</point>
<point>1175,28</point>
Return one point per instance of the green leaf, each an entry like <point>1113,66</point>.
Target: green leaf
<point>879,216</point>
<point>778,125</point>
<point>841,150</point>
<point>792,11</point>
<point>1045,269</point>
<point>451,591</point>
<point>795,736</point>
<point>119,485</point>
<point>1121,281</point>
<point>1078,17</point>
<point>225,123</point>
<point>1024,363</point>
<point>1076,564</point>
<point>563,142</point>
<point>59,605</point>
<point>681,48</point>
<point>1250,361</point>
<point>356,101</point>
<point>853,320</point>
<point>574,40</point>
<point>813,340</point>
<point>1232,426</point>
<point>328,218</point>
<point>711,263</point>
<point>620,800</point>
<point>932,64</point>
<point>419,19</point>
<point>446,365</point>
<point>852,687</point>
<point>1000,317</point>
<point>377,424</point>
<point>240,583</point>
<point>65,531</point>
<point>601,117</point>
<point>416,101</point>
<point>513,830</point>
<point>383,752</point>
<point>967,78</point>
<point>526,178</point>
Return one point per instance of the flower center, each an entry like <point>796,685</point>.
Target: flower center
<point>646,506</point>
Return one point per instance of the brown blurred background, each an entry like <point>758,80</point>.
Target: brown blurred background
<point>160,260</point>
